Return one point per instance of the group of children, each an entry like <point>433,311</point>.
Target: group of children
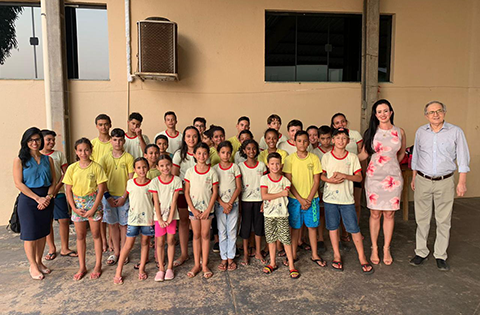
<point>201,182</point>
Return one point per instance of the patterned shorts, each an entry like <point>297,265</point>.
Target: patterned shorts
<point>277,229</point>
<point>86,203</point>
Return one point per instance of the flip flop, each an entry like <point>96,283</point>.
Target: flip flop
<point>294,274</point>
<point>222,266</point>
<point>95,275</point>
<point>69,254</point>
<point>117,280</point>
<point>232,266</point>
<point>208,274</point>
<point>305,246</point>
<point>269,269</point>
<point>282,253</point>
<point>285,262</point>
<point>319,262</point>
<point>137,265</point>
<point>369,272</point>
<point>50,256</point>
<point>337,265</point>
<point>142,276</point>
<point>79,276</point>
<point>192,274</point>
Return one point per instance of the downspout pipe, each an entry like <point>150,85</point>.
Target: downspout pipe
<point>46,66</point>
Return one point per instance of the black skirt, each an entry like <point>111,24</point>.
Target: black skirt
<point>34,223</point>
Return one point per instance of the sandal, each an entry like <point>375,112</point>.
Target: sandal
<point>387,262</point>
<point>269,269</point>
<point>222,266</point>
<point>346,238</point>
<point>337,265</point>
<point>282,253</point>
<point>112,260</point>
<point>208,274</point>
<point>319,262</point>
<point>364,269</point>
<point>294,274</point>
<point>177,263</point>
<point>95,275</point>
<point>160,276</point>
<point>232,266</point>
<point>38,277</point>
<point>192,273</point>
<point>117,280</point>
<point>137,265</point>
<point>374,261</point>
<point>70,254</point>
<point>305,246</point>
<point>50,256</point>
<point>79,276</point>
<point>142,276</point>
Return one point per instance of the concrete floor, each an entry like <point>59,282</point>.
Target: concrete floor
<point>396,289</point>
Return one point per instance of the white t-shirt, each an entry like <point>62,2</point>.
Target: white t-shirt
<point>165,192</point>
<point>251,181</point>
<point>288,146</point>
<point>141,212</point>
<point>263,144</point>
<point>342,193</point>
<point>189,162</point>
<point>59,160</point>
<point>355,139</point>
<point>227,178</point>
<point>174,143</point>
<point>132,145</point>
<point>238,158</point>
<point>276,207</point>
<point>201,187</point>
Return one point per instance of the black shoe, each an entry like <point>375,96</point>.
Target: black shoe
<point>321,247</point>
<point>417,260</point>
<point>442,265</point>
<point>216,248</point>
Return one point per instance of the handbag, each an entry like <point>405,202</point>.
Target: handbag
<point>14,223</point>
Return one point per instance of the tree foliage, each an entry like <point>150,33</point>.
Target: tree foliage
<point>8,38</point>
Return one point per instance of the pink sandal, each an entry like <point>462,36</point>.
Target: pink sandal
<point>117,280</point>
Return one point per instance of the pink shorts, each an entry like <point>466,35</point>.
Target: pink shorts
<point>170,229</point>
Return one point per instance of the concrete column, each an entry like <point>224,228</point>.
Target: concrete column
<point>370,38</point>
<point>55,69</point>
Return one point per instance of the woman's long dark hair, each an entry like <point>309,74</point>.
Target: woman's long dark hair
<point>24,153</point>
<point>184,149</point>
<point>373,125</point>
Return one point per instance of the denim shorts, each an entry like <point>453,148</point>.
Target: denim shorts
<point>133,230</point>
<point>60,208</point>
<point>297,217</point>
<point>335,212</point>
<point>117,214</point>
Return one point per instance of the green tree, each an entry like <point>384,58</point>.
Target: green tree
<point>8,38</point>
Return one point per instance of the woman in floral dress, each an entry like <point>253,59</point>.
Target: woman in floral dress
<point>385,144</point>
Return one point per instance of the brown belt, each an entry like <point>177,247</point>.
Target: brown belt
<point>435,178</point>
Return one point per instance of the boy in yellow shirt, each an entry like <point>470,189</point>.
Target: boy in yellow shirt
<point>243,123</point>
<point>101,144</point>
<point>118,166</point>
<point>303,170</point>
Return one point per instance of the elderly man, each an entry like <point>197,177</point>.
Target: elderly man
<point>438,145</point>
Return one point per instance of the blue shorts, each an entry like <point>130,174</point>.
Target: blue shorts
<point>60,209</point>
<point>133,230</point>
<point>347,213</point>
<point>115,215</point>
<point>297,217</point>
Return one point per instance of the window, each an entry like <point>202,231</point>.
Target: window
<point>21,50</point>
<point>316,47</point>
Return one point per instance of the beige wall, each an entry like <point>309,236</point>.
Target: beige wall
<point>436,55</point>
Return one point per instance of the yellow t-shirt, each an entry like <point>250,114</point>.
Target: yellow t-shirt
<point>342,193</point>
<point>151,174</point>
<point>214,158</point>
<point>235,144</point>
<point>302,171</point>
<point>117,170</point>
<point>100,149</point>
<point>262,157</point>
<point>84,181</point>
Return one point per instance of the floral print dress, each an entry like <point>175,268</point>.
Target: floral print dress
<point>384,181</point>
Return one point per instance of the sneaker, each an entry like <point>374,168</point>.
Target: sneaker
<point>417,260</point>
<point>169,275</point>
<point>160,276</point>
<point>216,248</point>
<point>442,265</point>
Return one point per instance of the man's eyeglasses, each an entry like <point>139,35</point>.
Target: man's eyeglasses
<point>433,112</point>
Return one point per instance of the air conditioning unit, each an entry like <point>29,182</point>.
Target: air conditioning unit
<point>157,49</point>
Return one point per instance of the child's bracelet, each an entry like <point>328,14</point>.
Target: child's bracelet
<point>107,195</point>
